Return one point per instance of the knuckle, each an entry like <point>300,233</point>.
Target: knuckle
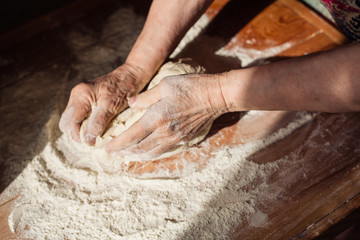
<point>81,87</point>
<point>81,90</point>
<point>62,126</point>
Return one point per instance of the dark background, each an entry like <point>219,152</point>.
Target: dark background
<point>14,13</point>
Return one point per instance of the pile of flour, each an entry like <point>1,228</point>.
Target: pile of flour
<point>59,201</point>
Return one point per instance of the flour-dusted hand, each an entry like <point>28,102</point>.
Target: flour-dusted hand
<point>177,109</point>
<point>150,50</point>
<point>108,93</point>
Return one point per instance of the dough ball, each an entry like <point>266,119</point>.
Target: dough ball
<point>125,119</point>
<point>128,117</point>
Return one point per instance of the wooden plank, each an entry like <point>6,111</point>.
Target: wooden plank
<point>288,22</point>
<point>319,185</point>
<point>318,42</point>
<point>319,22</point>
<point>275,26</point>
<point>317,180</point>
<point>334,223</point>
<point>215,8</point>
<point>5,210</point>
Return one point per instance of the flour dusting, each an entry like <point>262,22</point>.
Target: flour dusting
<point>60,201</point>
<point>247,56</point>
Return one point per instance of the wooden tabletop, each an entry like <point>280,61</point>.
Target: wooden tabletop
<point>319,183</point>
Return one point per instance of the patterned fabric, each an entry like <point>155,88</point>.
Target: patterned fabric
<point>347,16</point>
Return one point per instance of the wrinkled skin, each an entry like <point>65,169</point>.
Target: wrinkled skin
<point>148,53</point>
<point>109,93</point>
<point>177,110</point>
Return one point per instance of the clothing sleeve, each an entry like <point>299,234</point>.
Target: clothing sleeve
<point>346,14</point>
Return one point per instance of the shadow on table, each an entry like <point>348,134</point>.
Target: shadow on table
<point>38,72</point>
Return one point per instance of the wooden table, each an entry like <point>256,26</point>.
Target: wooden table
<point>319,182</point>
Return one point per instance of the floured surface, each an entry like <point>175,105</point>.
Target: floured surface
<point>207,204</point>
<point>300,187</point>
<point>248,56</point>
<point>61,201</point>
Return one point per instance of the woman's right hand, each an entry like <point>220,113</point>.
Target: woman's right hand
<point>108,94</point>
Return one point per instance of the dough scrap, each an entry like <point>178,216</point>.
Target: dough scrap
<point>96,158</point>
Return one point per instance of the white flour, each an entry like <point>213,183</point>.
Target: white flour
<point>193,32</point>
<point>248,56</point>
<point>59,201</point>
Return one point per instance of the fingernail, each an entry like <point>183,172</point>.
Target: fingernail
<point>132,102</point>
<point>89,138</point>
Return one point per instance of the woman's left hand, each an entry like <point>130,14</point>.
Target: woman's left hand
<point>177,109</point>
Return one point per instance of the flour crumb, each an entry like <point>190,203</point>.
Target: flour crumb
<point>258,219</point>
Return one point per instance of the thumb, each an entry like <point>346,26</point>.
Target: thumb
<point>146,99</point>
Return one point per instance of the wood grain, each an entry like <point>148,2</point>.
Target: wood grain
<point>319,182</point>
<point>5,210</point>
<point>288,21</point>
<point>318,179</point>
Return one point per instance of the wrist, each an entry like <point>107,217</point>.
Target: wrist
<point>147,57</point>
<point>134,76</point>
<point>234,89</point>
<point>216,96</point>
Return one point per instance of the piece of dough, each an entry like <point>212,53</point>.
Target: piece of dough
<point>97,158</point>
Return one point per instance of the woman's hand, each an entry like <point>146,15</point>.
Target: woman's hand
<point>178,108</point>
<point>108,93</point>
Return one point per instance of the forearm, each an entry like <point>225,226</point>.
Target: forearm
<point>166,24</point>
<point>327,82</point>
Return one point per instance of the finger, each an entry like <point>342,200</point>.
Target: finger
<point>131,136</point>
<point>157,151</point>
<point>143,146</point>
<point>97,123</point>
<point>74,131</point>
<point>150,147</point>
<point>146,99</point>
<point>71,119</point>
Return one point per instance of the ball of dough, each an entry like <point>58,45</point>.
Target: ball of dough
<point>128,117</point>
<point>125,119</point>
